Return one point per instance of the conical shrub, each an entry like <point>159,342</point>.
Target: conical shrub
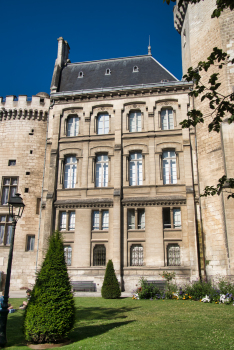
<point>110,287</point>
<point>50,313</point>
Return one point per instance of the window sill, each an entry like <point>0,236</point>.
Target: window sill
<point>136,229</point>
<point>65,231</point>
<point>173,229</point>
<point>100,231</point>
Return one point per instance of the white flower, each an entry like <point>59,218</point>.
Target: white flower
<point>206,299</point>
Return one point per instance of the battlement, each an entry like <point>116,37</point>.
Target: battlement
<point>35,107</point>
<point>179,15</point>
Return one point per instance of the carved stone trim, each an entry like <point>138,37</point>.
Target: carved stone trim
<point>146,202</point>
<point>84,203</point>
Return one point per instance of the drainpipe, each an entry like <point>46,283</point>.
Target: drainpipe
<point>42,189</point>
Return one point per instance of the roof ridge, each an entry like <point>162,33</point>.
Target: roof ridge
<point>109,59</point>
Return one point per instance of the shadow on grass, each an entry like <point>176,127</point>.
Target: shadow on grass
<point>101,313</point>
<point>15,334</point>
<point>83,332</point>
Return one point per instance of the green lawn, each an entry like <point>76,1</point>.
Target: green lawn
<point>141,324</point>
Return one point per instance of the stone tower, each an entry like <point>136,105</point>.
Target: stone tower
<point>199,34</point>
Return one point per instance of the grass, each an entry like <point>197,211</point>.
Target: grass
<point>140,324</point>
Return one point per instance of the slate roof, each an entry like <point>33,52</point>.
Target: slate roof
<point>150,71</point>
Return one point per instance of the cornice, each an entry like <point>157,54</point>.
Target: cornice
<point>84,203</point>
<point>156,201</point>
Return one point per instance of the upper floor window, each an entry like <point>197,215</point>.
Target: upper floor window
<point>100,220</point>
<point>135,69</point>
<point>135,121</point>
<point>136,255</point>
<point>103,124</point>
<point>70,172</point>
<point>169,167</point>
<point>171,216</point>
<point>68,254</point>
<point>80,75</point>
<point>72,126</point>
<point>67,221</point>
<point>9,189</point>
<point>136,219</point>
<point>99,255</point>
<point>108,71</point>
<point>5,229</point>
<point>101,179</point>
<point>173,255</point>
<point>167,119</point>
<point>135,169</point>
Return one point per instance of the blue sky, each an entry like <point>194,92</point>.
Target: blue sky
<point>94,30</point>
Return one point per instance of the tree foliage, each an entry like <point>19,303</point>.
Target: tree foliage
<point>220,5</point>
<point>50,313</point>
<point>110,287</point>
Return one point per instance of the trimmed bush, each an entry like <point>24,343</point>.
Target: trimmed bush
<point>50,313</point>
<point>110,287</point>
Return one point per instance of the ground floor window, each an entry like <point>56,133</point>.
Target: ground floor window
<point>99,255</point>
<point>136,255</point>
<point>173,255</point>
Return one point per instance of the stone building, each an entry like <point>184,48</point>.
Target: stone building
<point>199,34</point>
<point>105,161</point>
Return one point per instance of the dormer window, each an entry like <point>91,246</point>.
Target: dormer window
<point>80,75</point>
<point>108,71</point>
<point>164,81</point>
<point>135,69</point>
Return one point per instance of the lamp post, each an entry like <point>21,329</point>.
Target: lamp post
<point>16,208</point>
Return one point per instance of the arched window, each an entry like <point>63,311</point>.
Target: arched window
<point>73,126</point>
<point>103,124</point>
<point>135,69</point>
<point>136,255</point>
<point>167,120</point>
<point>70,172</point>
<point>173,255</point>
<point>80,75</point>
<point>101,179</point>
<point>108,71</point>
<point>169,167</point>
<point>99,255</point>
<point>68,254</point>
<point>135,121</point>
<point>135,169</point>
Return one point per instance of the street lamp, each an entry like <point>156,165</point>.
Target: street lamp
<point>16,208</point>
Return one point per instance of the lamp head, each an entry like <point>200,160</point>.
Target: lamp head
<point>17,203</point>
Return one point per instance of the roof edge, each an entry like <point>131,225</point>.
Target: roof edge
<point>109,59</point>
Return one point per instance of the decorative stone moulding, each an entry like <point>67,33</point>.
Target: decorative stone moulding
<point>68,204</point>
<point>29,114</point>
<point>146,202</point>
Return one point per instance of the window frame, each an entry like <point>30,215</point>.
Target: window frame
<point>96,247</point>
<point>135,222</point>
<point>171,245</point>
<point>67,249</point>
<point>73,169</point>
<point>167,119</point>
<point>135,116</point>
<point>139,257</point>
<point>102,130</point>
<point>138,162</point>
<point>74,128</point>
<point>98,223</point>
<point>5,237</point>
<point>28,244</point>
<point>171,225</point>
<point>64,220</point>
<point>172,170</point>
<point>10,186</point>
<point>102,179</point>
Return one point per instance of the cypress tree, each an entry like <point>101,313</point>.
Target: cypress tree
<point>50,313</point>
<point>110,287</point>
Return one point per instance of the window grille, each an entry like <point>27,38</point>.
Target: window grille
<point>103,124</point>
<point>167,120</point>
<point>135,121</point>
<point>135,169</point>
<point>70,172</point>
<point>68,255</point>
<point>136,255</point>
<point>9,189</point>
<point>73,126</point>
<point>169,167</point>
<point>102,171</point>
<point>99,255</point>
<point>173,255</point>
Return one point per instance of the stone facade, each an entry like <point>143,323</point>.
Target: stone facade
<point>199,34</point>
<point>23,125</point>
